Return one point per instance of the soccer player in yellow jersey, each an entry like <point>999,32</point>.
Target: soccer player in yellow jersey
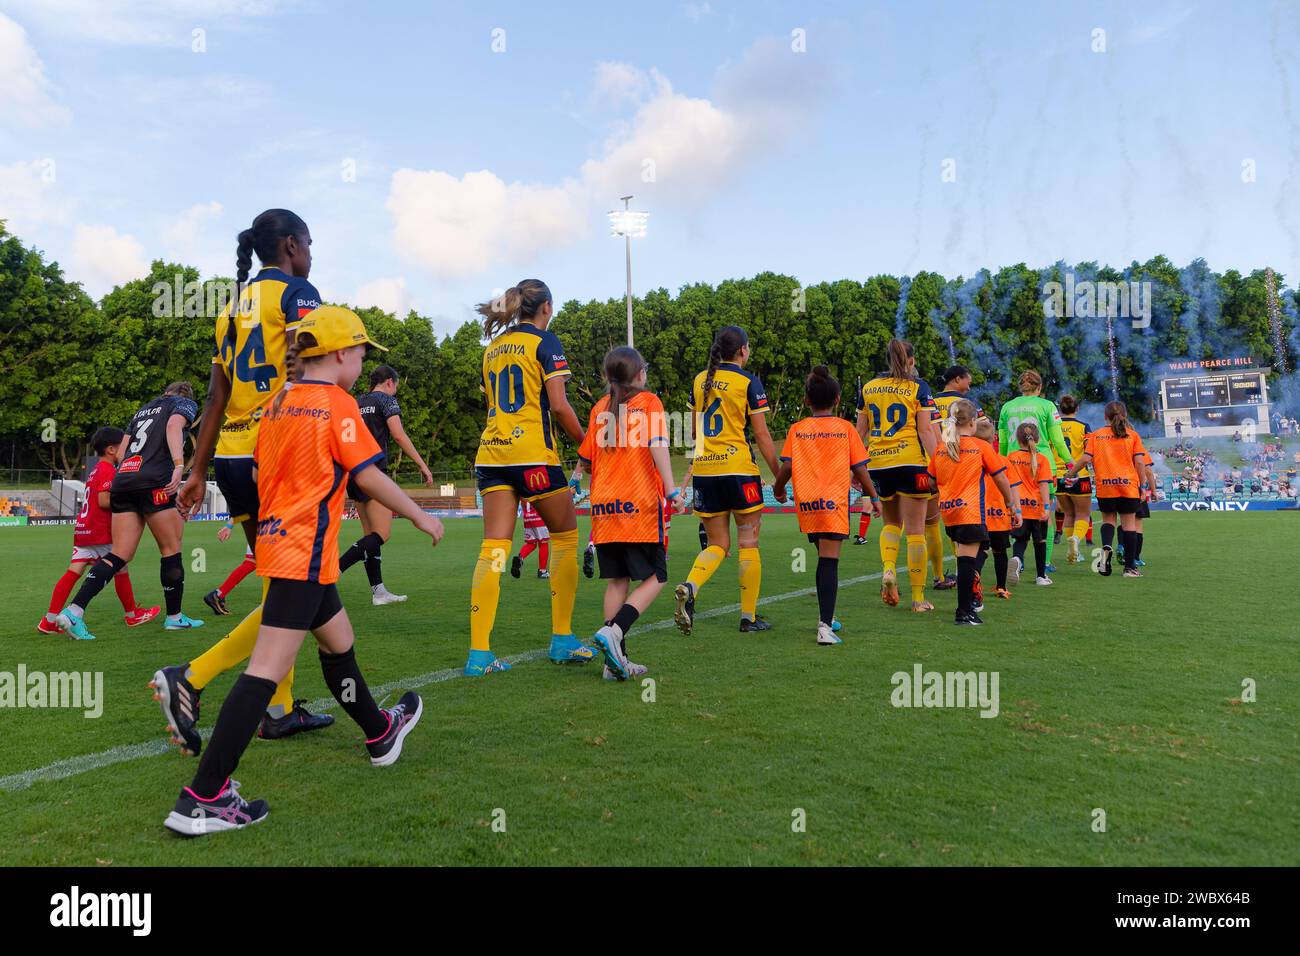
<point>895,420</point>
<point>248,367</point>
<point>1073,497</point>
<point>524,374</point>
<point>727,400</point>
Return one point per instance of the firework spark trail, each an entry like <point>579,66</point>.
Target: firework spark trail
<point>900,317</point>
<point>1114,367</point>
<point>1275,321</point>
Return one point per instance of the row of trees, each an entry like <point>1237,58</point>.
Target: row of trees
<point>69,364</point>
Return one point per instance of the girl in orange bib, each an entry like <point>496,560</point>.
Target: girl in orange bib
<point>1034,472</point>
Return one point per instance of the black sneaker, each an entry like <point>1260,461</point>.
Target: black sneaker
<point>589,562</point>
<point>516,563</point>
<point>1105,561</point>
<point>402,719</point>
<point>294,722</point>
<point>180,706</point>
<point>757,624</point>
<point>858,539</point>
<point>684,613</point>
<point>969,619</point>
<point>214,600</point>
<point>193,817</point>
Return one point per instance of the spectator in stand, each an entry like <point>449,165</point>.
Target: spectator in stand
<point>1178,427</point>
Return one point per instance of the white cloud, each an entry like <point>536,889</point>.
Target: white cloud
<point>619,83</point>
<point>183,233</point>
<point>29,197</point>
<point>103,258</point>
<point>142,22</point>
<point>697,11</point>
<point>389,294</point>
<point>459,227</point>
<point>25,94</point>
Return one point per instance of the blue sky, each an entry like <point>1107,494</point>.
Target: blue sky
<point>476,167</point>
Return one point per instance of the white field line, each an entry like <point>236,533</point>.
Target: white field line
<point>72,766</point>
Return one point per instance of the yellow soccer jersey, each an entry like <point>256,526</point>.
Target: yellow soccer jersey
<point>516,367</point>
<point>894,406</point>
<point>943,402</point>
<point>722,420</point>
<point>1074,432</point>
<point>252,352</point>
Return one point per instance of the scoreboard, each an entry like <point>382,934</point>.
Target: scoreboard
<point>1217,403</point>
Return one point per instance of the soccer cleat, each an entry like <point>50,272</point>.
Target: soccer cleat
<point>920,607</point>
<point>380,595</point>
<point>180,706</point>
<point>1042,580</point>
<point>294,722</point>
<point>945,583</point>
<point>1050,569</point>
<point>402,719</point>
<point>826,636</point>
<point>142,615</point>
<point>74,625</point>
<point>889,587</point>
<point>48,627</point>
<point>836,625</point>
<point>1132,573</point>
<point>193,816</point>
<point>1003,593</point>
<point>483,662</point>
<point>1013,570</point>
<point>516,565</point>
<point>977,605</point>
<point>978,592</point>
<point>615,659</point>
<point>969,619</point>
<point>757,624</point>
<point>182,623</point>
<point>589,561</point>
<point>858,539</point>
<point>1139,563</point>
<point>684,613</point>
<point>1106,554</point>
<point>1056,538</point>
<point>543,573</point>
<point>567,649</point>
<point>1072,551</point>
<point>634,670</point>
<point>216,601</point>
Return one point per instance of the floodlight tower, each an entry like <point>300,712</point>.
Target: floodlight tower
<point>630,225</point>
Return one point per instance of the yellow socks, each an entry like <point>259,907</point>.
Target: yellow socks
<point>1080,529</point>
<point>916,565</point>
<point>934,548</point>
<point>564,580</point>
<point>751,579</point>
<point>235,647</point>
<point>706,562</point>
<point>889,536</point>
<point>282,700</point>
<point>485,591</point>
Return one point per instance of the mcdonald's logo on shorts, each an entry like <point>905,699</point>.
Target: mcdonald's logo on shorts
<point>752,493</point>
<point>536,479</point>
<point>160,496</point>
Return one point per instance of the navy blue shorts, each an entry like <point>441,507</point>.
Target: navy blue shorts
<point>235,480</point>
<point>529,482</point>
<point>355,493</point>
<point>719,494</point>
<point>910,481</point>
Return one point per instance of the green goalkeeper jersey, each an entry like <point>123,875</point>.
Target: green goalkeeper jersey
<point>1031,408</point>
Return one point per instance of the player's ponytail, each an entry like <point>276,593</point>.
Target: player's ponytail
<point>621,367</point>
<point>293,366</point>
<point>821,390</point>
<point>265,237</point>
<point>1027,438</point>
<point>727,343</point>
<point>960,413</point>
<point>899,355</point>
<point>1117,417</point>
<point>519,303</point>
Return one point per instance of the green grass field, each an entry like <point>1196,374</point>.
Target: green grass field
<point>1116,694</point>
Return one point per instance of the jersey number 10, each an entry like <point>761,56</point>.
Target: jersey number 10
<point>508,387</point>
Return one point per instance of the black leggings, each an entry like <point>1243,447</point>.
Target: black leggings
<point>1035,528</point>
<point>999,541</point>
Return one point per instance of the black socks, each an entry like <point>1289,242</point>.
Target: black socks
<point>367,550</point>
<point>171,573</point>
<point>966,583</point>
<point>238,721</point>
<point>828,586</point>
<point>343,678</point>
<point>100,573</point>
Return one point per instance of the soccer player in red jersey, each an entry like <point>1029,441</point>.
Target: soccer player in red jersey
<point>92,538</point>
